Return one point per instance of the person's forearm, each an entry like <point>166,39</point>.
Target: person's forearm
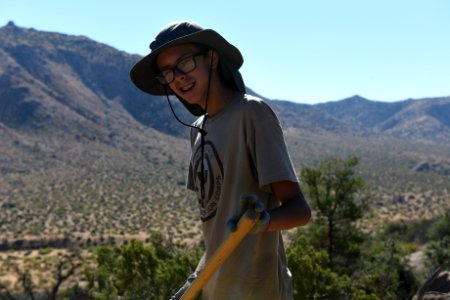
<point>292,213</point>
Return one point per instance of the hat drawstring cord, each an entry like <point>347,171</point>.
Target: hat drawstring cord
<point>201,129</point>
<point>203,132</point>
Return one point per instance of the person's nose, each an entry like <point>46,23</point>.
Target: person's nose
<point>179,75</point>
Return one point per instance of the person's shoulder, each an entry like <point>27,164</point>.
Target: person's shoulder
<point>256,105</point>
<point>252,100</point>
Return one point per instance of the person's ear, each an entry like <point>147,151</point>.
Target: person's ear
<point>214,57</point>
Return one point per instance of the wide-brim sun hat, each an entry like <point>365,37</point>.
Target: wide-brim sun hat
<point>143,74</point>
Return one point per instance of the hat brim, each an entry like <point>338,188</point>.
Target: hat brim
<point>143,73</point>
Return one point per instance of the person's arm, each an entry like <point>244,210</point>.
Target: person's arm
<point>294,210</point>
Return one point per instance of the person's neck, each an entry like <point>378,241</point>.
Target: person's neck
<point>220,98</point>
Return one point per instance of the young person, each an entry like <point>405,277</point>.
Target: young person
<point>237,148</point>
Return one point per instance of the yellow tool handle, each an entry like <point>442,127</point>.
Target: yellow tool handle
<point>245,224</point>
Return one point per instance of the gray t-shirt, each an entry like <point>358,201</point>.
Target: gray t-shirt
<point>244,152</point>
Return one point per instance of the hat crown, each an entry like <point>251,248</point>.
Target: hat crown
<point>174,31</point>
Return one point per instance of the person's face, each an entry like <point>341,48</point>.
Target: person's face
<point>187,67</point>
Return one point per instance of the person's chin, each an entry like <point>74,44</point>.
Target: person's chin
<point>191,99</point>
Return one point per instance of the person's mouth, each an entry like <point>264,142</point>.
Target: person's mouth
<point>187,88</point>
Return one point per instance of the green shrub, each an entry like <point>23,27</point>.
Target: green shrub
<point>139,272</point>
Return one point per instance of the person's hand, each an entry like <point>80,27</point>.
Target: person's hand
<point>183,289</point>
<point>251,202</point>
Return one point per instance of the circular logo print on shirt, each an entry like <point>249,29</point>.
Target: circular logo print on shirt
<point>211,171</point>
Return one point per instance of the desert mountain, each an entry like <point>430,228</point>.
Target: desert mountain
<point>67,88</point>
<point>423,119</point>
<point>76,134</point>
<point>74,69</point>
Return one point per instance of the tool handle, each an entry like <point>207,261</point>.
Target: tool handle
<point>245,225</point>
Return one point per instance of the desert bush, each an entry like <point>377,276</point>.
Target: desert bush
<point>438,254</point>
<point>338,197</point>
<point>135,271</point>
<point>440,228</point>
<point>313,279</point>
<point>332,258</point>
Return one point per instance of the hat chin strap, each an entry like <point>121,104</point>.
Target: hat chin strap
<point>201,129</point>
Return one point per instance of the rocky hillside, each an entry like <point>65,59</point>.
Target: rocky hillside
<point>34,63</point>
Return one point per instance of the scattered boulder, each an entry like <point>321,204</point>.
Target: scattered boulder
<point>423,166</point>
<point>437,287</point>
<point>438,167</point>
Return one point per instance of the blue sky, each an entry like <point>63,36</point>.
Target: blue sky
<point>304,51</point>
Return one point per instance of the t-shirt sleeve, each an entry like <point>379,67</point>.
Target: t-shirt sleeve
<point>265,141</point>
